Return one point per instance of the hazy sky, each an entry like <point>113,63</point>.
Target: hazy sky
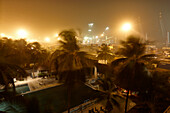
<point>43,18</point>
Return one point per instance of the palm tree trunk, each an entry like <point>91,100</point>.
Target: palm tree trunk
<point>5,81</point>
<point>6,87</point>
<point>33,70</point>
<point>13,84</point>
<point>127,96</point>
<point>68,97</point>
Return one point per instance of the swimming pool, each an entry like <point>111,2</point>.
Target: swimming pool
<point>19,89</point>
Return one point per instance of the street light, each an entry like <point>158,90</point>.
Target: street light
<point>102,35</point>
<point>22,33</point>
<point>126,27</point>
<point>90,24</point>
<point>56,35</point>
<point>58,38</point>
<point>47,39</point>
<point>2,35</point>
<point>107,28</point>
<point>9,37</point>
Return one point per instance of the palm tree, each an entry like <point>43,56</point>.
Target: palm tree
<point>105,53</point>
<point>132,71</point>
<point>159,93</point>
<point>38,55</point>
<point>21,56</point>
<point>8,72</point>
<point>108,94</point>
<point>71,63</point>
<point>8,67</point>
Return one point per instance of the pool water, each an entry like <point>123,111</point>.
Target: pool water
<point>22,89</point>
<point>19,89</point>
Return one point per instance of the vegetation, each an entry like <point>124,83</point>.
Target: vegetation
<point>9,68</point>
<point>105,54</point>
<point>16,56</point>
<point>108,94</point>
<point>71,63</point>
<point>131,72</point>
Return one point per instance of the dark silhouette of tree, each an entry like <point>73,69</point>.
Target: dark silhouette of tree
<point>8,72</point>
<point>71,62</point>
<point>105,53</point>
<point>38,55</point>
<point>108,93</point>
<point>132,71</point>
<point>9,69</point>
<point>157,97</point>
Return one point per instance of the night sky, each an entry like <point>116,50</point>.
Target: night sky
<point>43,18</point>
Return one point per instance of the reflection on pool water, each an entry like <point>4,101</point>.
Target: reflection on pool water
<point>20,89</point>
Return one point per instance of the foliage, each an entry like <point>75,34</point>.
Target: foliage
<point>38,55</point>
<point>21,53</point>
<point>15,55</point>
<point>108,94</point>
<point>131,68</point>
<point>157,97</point>
<point>132,71</point>
<point>105,53</point>
<point>70,60</point>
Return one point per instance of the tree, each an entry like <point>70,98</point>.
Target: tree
<point>8,67</point>
<point>38,55</point>
<point>105,53</point>
<point>8,72</point>
<point>21,56</point>
<point>71,63</point>
<point>157,97</point>
<point>108,94</point>
<point>132,71</point>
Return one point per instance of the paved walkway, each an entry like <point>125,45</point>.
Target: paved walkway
<point>38,83</point>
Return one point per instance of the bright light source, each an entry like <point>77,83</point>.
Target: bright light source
<point>58,38</point>
<point>22,33</point>
<point>102,34</point>
<point>9,37</point>
<point>96,36</point>
<point>126,27</point>
<point>2,35</point>
<point>47,39</point>
<point>90,24</point>
<point>107,28</point>
<point>31,40</point>
<point>85,38</point>
<point>56,35</point>
<point>89,30</point>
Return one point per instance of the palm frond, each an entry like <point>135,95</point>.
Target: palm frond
<point>147,56</point>
<point>118,61</point>
<point>115,102</point>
